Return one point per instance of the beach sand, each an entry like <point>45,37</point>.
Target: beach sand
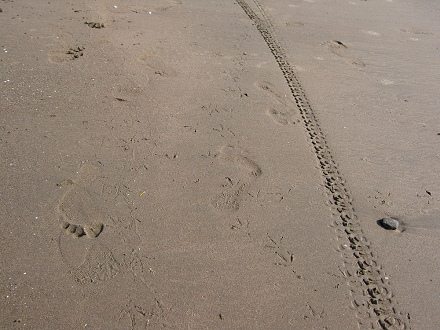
<point>202,164</point>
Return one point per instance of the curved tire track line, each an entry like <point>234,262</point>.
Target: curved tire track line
<point>370,290</point>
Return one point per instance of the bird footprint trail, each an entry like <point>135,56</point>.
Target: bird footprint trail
<point>372,298</point>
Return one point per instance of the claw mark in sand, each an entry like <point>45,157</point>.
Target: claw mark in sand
<point>137,316</point>
<point>138,265</point>
<point>241,226</point>
<point>285,256</point>
<point>370,288</point>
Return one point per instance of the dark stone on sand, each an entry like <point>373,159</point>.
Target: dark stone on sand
<point>389,223</point>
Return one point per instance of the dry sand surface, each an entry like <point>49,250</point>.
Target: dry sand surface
<point>216,164</point>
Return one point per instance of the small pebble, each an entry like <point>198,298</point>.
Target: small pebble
<point>389,223</point>
<point>64,224</point>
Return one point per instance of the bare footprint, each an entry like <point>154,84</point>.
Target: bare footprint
<point>89,261</point>
<point>128,89</point>
<point>99,265</point>
<point>271,91</point>
<point>70,54</point>
<point>282,118</point>
<point>239,157</point>
<point>57,56</point>
<point>336,47</point>
<point>157,65</point>
<point>285,116</point>
<point>340,49</point>
<point>92,262</point>
<point>230,198</point>
<point>79,209</point>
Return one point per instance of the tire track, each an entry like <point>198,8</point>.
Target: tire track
<point>370,289</point>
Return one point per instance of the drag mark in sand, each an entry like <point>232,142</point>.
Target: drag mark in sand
<point>369,286</point>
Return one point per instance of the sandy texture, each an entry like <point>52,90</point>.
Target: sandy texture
<point>214,164</point>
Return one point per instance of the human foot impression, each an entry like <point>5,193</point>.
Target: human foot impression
<point>79,210</point>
